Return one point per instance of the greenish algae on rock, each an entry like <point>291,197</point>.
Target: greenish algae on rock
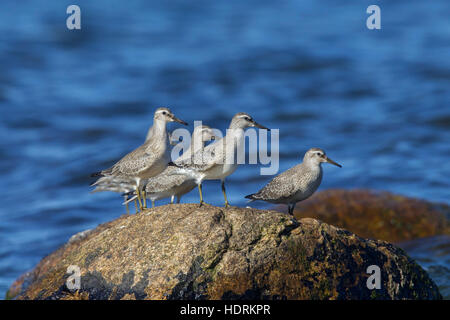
<point>189,252</point>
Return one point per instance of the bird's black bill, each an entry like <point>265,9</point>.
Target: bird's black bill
<point>260,126</point>
<point>180,121</point>
<point>332,162</point>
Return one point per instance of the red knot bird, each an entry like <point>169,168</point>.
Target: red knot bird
<point>148,160</point>
<point>217,160</point>
<point>297,183</point>
<point>169,184</point>
<point>124,186</point>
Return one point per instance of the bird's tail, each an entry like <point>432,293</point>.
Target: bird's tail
<point>129,200</point>
<point>173,164</point>
<point>129,193</point>
<point>130,196</point>
<point>97,189</point>
<point>99,181</point>
<point>97,174</point>
<point>251,197</point>
<point>183,171</point>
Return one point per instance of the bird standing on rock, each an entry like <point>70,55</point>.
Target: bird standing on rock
<point>297,183</point>
<point>168,184</point>
<point>125,186</point>
<point>148,160</point>
<point>217,161</point>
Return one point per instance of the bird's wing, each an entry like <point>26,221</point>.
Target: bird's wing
<point>166,180</point>
<point>134,162</point>
<point>108,180</point>
<point>205,158</point>
<point>280,187</point>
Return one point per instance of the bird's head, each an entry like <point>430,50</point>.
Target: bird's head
<point>317,156</point>
<point>164,114</point>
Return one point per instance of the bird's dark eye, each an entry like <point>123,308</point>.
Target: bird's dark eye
<point>247,118</point>
<point>319,154</point>
<point>164,113</point>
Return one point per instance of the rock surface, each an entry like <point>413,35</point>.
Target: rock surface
<point>377,214</point>
<point>187,252</point>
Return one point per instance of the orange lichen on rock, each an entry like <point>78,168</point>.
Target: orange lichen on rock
<point>377,215</point>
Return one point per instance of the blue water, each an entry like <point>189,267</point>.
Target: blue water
<point>74,102</point>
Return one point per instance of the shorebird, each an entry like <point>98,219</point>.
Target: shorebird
<point>124,186</point>
<point>297,183</point>
<point>148,160</point>
<point>217,160</point>
<point>120,185</point>
<point>169,183</point>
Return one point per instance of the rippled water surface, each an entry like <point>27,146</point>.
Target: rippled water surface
<point>433,254</point>
<point>73,102</point>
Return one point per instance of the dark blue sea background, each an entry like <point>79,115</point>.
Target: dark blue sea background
<point>74,102</point>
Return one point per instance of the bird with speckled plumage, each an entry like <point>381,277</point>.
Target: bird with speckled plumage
<point>122,185</point>
<point>168,184</point>
<point>297,183</point>
<point>148,160</point>
<point>216,161</point>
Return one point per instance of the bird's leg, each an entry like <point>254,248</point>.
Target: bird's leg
<point>125,198</point>
<point>136,205</point>
<point>178,199</point>
<point>172,198</point>
<point>153,203</point>
<point>200,193</point>
<point>293,207</point>
<point>144,198</point>
<point>224,194</point>
<point>138,193</point>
